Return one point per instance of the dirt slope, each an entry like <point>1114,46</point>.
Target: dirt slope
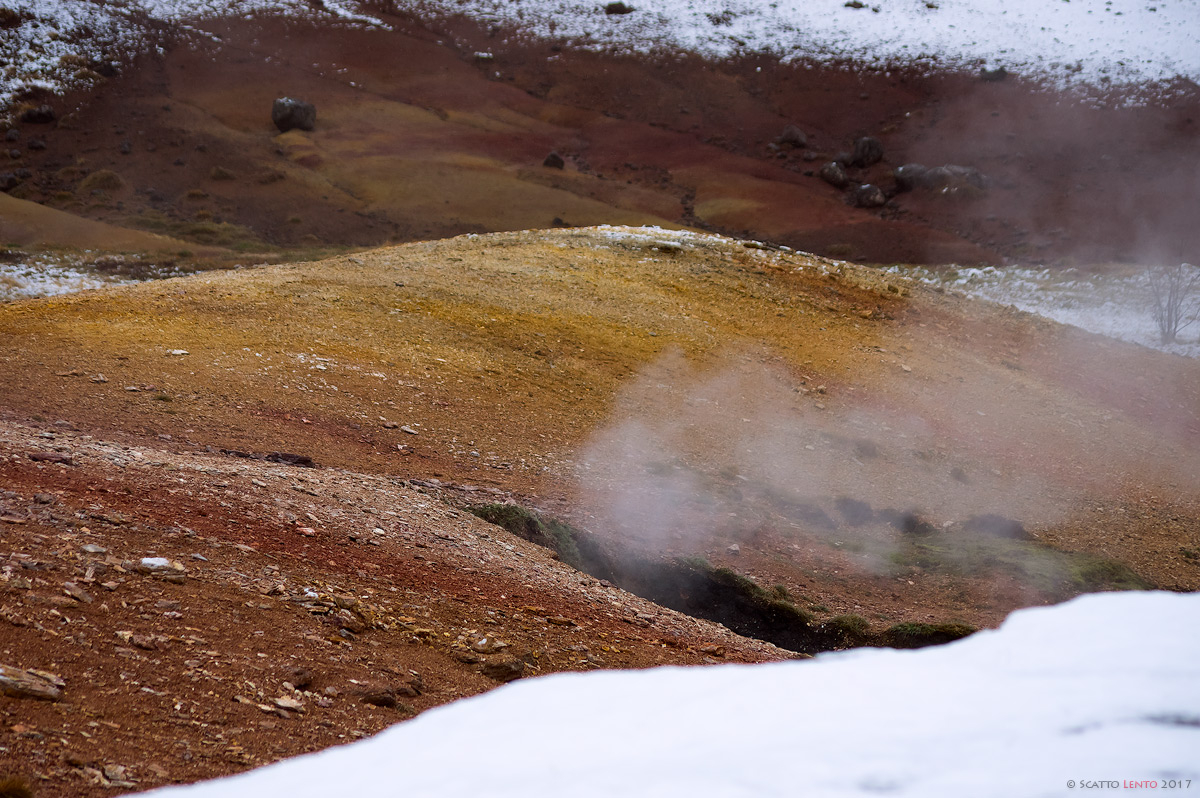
<point>873,455</point>
<point>420,136</point>
<point>355,600</point>
<point>506,354</point>
<point>672,394</point>
<point>27,224</point>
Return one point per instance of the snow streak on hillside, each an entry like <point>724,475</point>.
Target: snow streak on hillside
<point>46,276</point>
<point>57,44</point>
<point>1093,41</point>
<point>66,44</point>
<point>1117,306</point>
<point>1105,688</point>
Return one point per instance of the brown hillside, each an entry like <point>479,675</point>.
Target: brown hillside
<point>27,224</point>
<point>670,393</point>
<point>420,137</point>
<point>800,450</point>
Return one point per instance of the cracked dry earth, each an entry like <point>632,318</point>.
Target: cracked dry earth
<point>207,609</point>
<point>209,613</point>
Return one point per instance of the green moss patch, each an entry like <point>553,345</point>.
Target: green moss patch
<point>524,523</point>
<point>918,635</point>
<point>1047,570</point>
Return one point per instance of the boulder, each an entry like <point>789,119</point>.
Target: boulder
<point>833,174</point>
<point>969,175</point>
<point>909,523</point>
<point>288,114</point>
<point>41,115</point>
<point>8,181</point>
<point>868,151</point>
<point>855,512</point>
<point>868,196</point>
<point>554,161</point>
<point>301,678</point>
<point>104,67</point>
<point>287,458</point>
<point>937,177</point>
<point>504,670</point>
<point>909,176</point>
<point>993,75</point>
<point>617,8</point>
<point>792,137</point>
<point>951,177</point>
<point>379,696</point>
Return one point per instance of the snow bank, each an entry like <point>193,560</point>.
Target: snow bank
<point>1103,688</point>
<point>1086,42</point>
<point>42,276</point>
<point>62,44</point>
<point>1117,306</point>
<point>1090,41</point>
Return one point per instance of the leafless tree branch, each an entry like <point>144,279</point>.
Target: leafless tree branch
<point>1176,294</point>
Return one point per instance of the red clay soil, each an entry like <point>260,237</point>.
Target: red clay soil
<point>300,609</point>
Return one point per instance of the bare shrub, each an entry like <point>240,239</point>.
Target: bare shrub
<point>1176,294</point>
<point>11,19</point>
<point>102,180</point>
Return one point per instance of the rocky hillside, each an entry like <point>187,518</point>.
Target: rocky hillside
<point>440,125</point>
<point>202,614</point>
<point>419,422</point>
<point>238,505</point>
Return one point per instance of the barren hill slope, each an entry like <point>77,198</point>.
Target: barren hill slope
<point>440,126</point>
<point>873,454</point>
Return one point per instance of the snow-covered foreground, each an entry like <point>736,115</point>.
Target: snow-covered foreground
<point>1083,42</point>
<point>1103,690</point>
<point>1119,307</point>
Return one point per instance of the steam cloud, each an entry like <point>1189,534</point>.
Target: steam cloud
<point>701,454</point>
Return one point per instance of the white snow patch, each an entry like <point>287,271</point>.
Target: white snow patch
<point>1105,687</point>
<point>1089,41</point>
<point>1117,306</point>
<point>39,277</point>
<point>60,44</point>
<point>1122,43</point>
